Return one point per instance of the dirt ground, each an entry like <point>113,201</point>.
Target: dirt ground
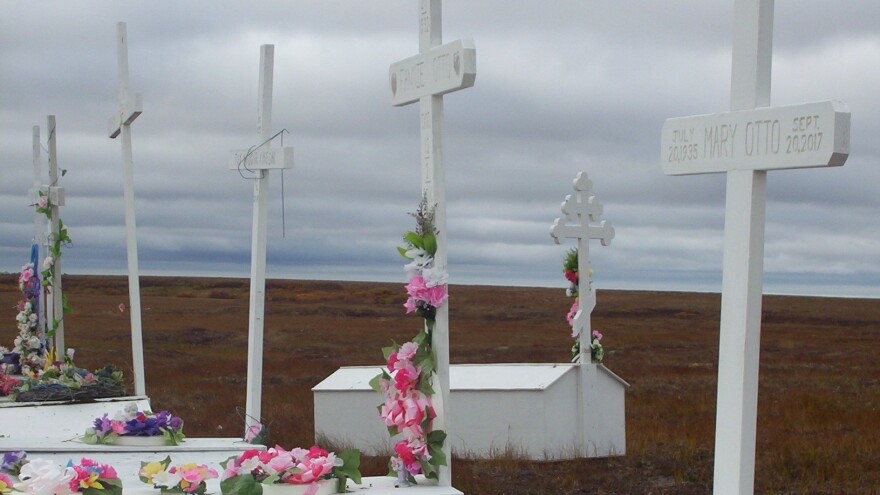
<point>819,404</point>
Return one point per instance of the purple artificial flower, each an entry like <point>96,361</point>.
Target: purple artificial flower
<point>103,425</point>
<point>13,461</point>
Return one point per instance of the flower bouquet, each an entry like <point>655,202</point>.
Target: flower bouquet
<point>185,478</point>
<point>6,485</point>
<point>133,427</point>
<point>43,477</point>
<point>296,472</point>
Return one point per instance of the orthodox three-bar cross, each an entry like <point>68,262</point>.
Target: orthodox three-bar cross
<point>131,105</point>
<point>258,160</point>
<point>583,209</point>
<point>424,78</point>
<point>745,143</point>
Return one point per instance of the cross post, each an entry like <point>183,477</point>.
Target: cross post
<point>745,143</point>
<point>259,160</point>
<point>426,77</point>
<point>39,229</point>
<point>130,107</point>
<point>55,309</point>
<point>583,209</point>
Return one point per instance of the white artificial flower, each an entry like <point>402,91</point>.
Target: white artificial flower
<point>48,262</point>
<point>43,477</point>
<point>131,410</point>
<point>167,479</point>
<point>34,342</point>
<point>70,353</point>
<point>434,277</point>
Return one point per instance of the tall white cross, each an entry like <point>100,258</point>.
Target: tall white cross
<point>436,70</point>
<point>55,196</point>
<point>39,228</point>
<point>583,209</point>
<point>131,105</point>
<point>745,143</point>
<point>258,160</point>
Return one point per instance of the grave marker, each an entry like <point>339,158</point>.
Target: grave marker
<point>55,309</point>
<point>425,78</point>
<point>130,107</point>
<point>259,160</point>
<point>745,143</point>
<point>583,209</point>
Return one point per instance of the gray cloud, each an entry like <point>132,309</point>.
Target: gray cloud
<point>561,87</point>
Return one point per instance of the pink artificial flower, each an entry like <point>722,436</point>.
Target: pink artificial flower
<point>42,203</point>
<point>252,432</point>
<point>406,378</point>
<point>118,427</point>
<point>316,452</point>
<point>407,351</point>
<point>435,296</point>
<point>407,456</point>
<point>416,286</point>
<point>597,335</point>
<point>26,275</point>
<point>570,316</point>
<point>393,413</point>
<point>108,472</point>
<point>410,305</point>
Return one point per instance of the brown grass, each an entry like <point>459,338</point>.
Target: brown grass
<point>818,418</point>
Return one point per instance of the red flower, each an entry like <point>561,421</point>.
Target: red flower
<point>571,276</point>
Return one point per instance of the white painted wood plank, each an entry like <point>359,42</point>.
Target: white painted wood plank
<point>794,136</point>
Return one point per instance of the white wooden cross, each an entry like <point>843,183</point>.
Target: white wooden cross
<point>130,107</point>
<point>745,143</point>
<point>436,70</point>
<point>259,160</point>
<point>40,227</point>
<point>583,209</point>
<point>54,194</point>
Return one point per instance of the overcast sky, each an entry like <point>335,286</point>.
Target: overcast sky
<point>561,87</point>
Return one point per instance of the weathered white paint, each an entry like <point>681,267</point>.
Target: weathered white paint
<point>529,409</point>
<point>794,136</point>
<point>438,71</point>
<point>259,160</point>
<point>55,191</point>
<point>582,208</point>
<point>443,80</point>
<point>739,345</point>
<point>130,107</point>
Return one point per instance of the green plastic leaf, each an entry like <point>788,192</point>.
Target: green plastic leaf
<point>430,244</point>
<point>241,485</point>
<point>402,252</point>
<point>414,240</point>
<point>351,459</point>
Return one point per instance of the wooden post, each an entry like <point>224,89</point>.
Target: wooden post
<point>130,107</point>
<point>259,160</point>
<point>436,70</point>
<point>745,143</point>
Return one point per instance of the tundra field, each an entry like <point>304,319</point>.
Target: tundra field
<point>818,410</point>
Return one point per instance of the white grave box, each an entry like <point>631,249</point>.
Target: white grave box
<point>525,409</point>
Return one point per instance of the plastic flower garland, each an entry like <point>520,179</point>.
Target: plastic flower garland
<point>131,422</point>
<point>43,477</point>
<point>244,474</point>
<point>27,345</point>
<point>56,243</point>
<point>406,383</point>
<point>570,270</point>
<point>185,478</point>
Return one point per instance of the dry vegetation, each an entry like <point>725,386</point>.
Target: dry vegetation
<point>819,406</point>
